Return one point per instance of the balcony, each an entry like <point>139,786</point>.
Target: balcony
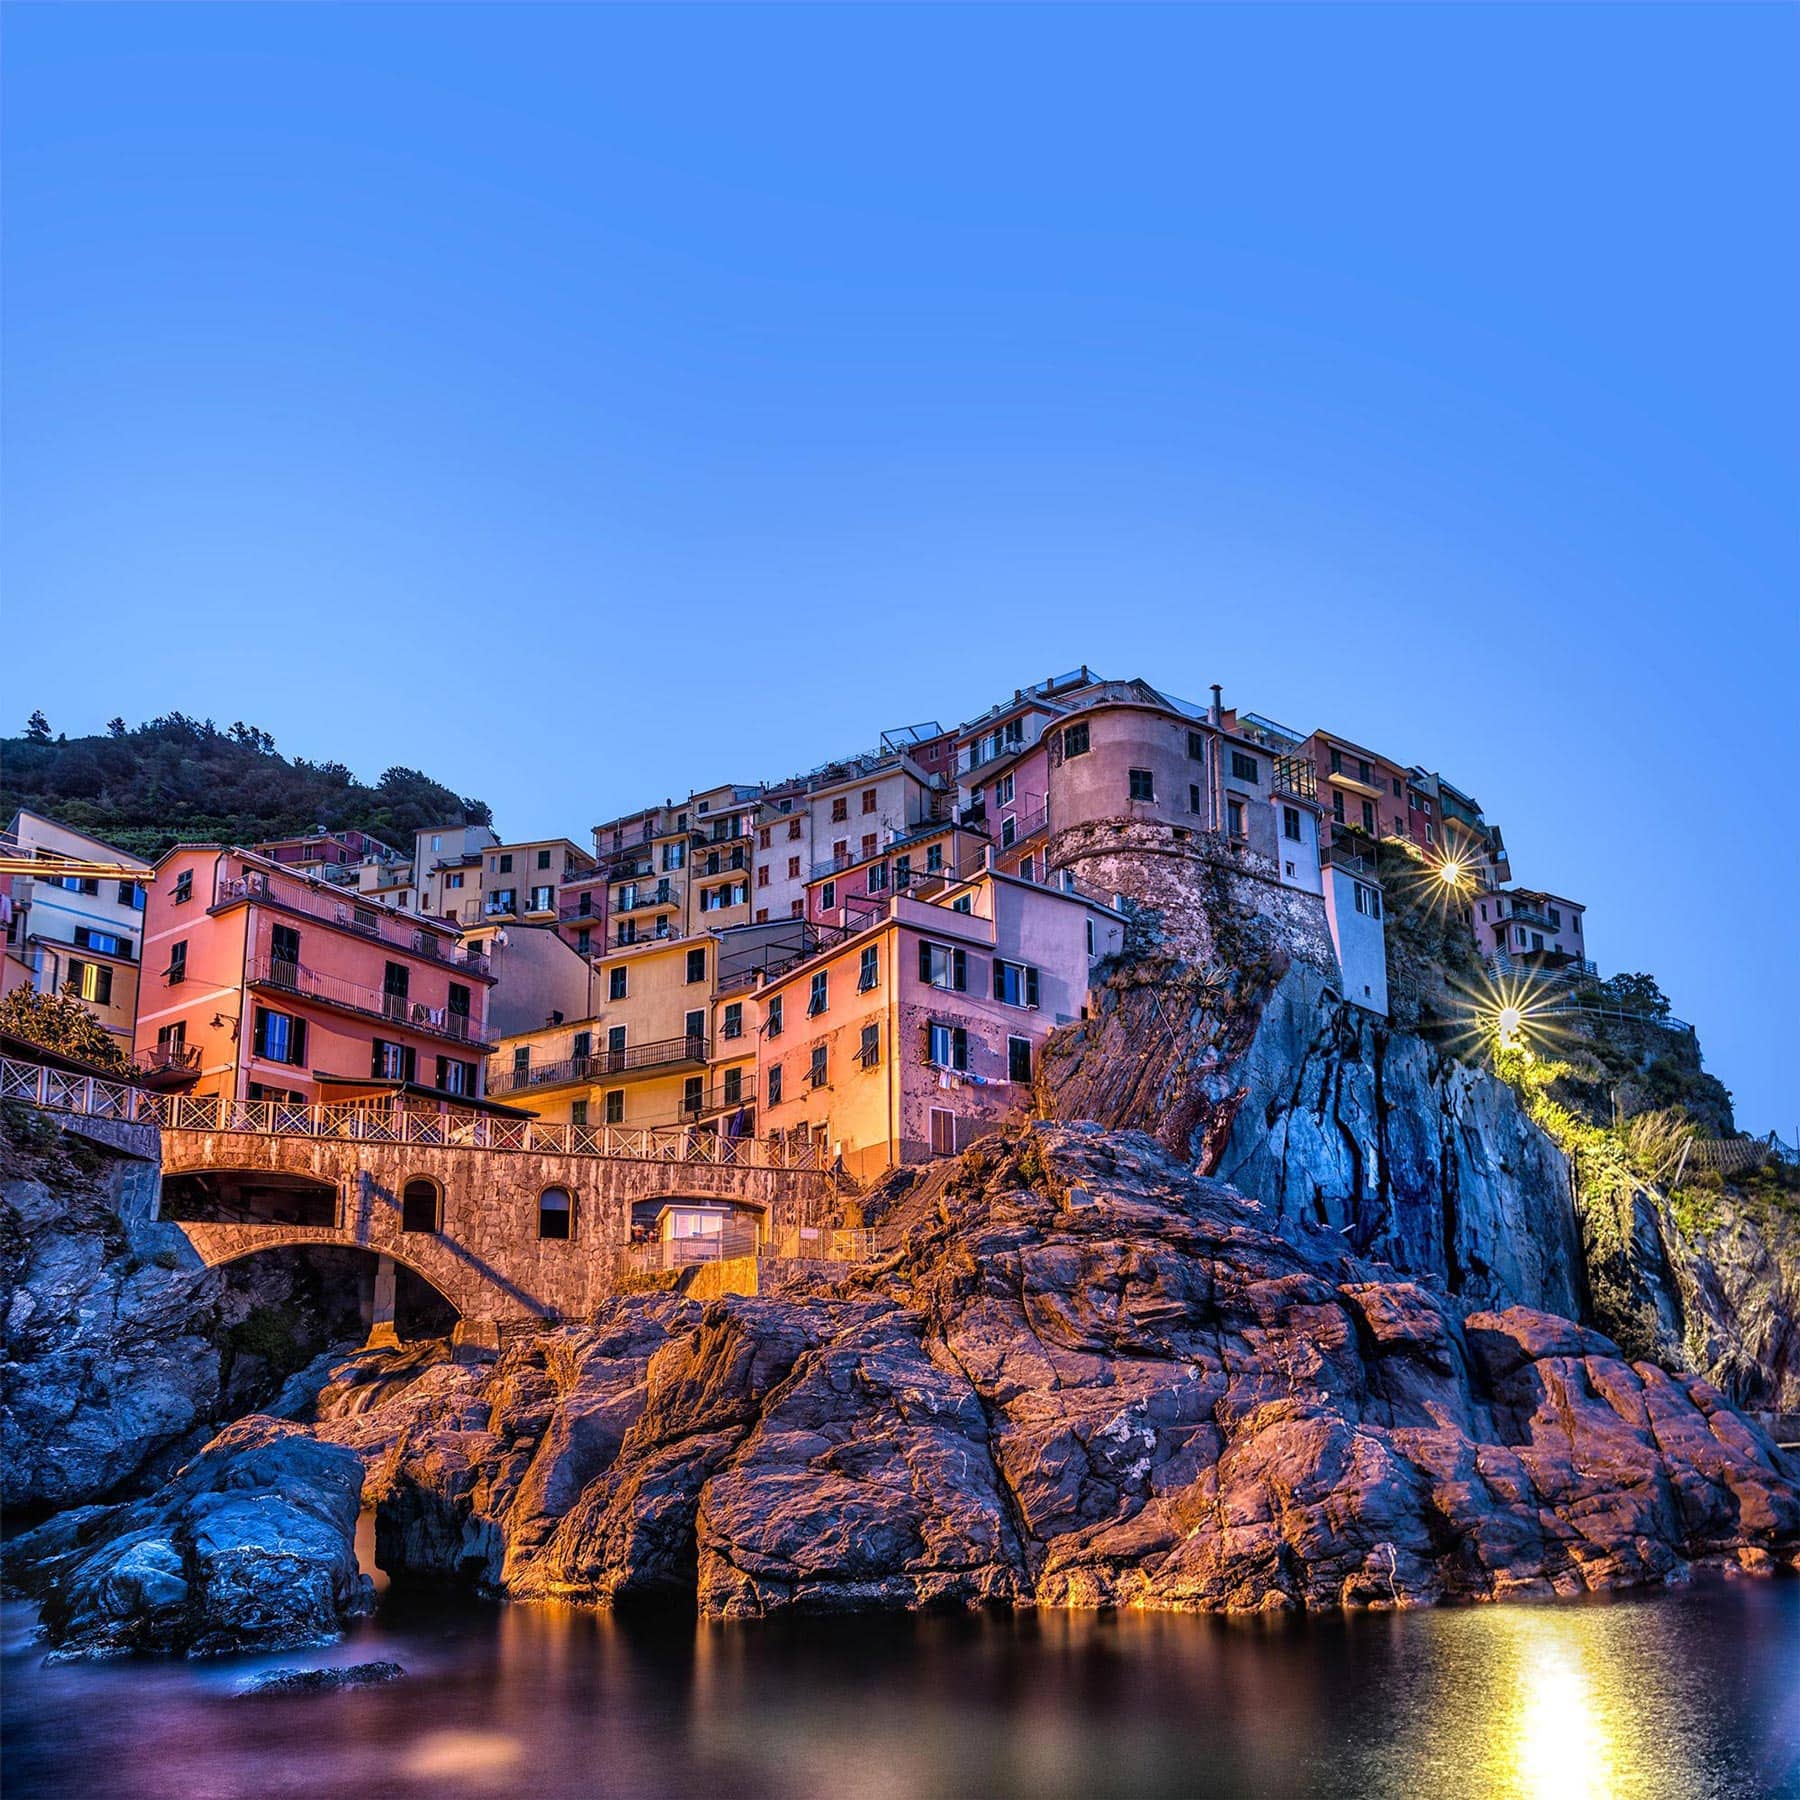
<point>285,977</point>
<point>381,924</point>
<point>581,911</point>
<point>1296,775</point>
<point>599,1065</point>
<point>661,893</point>
<point>172,1059</point>
<point>989,749</point>
<point>628,937</point>
<point>1349,775</point>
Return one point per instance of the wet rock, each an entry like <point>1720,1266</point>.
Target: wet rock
<point>251,1546</point>
<point>321,1681</point>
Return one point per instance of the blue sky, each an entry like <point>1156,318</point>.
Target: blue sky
<point>582,404</point>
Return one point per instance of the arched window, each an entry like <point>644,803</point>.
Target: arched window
<point>419,1205</point>
<point>556,1213</point>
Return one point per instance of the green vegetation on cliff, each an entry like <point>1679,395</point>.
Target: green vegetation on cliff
<point>145,787</point>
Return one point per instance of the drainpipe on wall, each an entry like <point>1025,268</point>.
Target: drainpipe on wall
<point>1215,717</point>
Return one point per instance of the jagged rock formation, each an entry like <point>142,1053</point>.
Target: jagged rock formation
<point>1331,1119</point>
<point>1087,1378</point>
<point>251,1546</point>
<point>118,1353</point>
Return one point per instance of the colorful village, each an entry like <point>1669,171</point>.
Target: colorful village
<point>857,965</point>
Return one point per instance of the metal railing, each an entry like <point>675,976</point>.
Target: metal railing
<point>385,924</point>
<point>597,1065</point>
<point>819,1243</point>
<point>397,1009</point>
<point>92,1096</point>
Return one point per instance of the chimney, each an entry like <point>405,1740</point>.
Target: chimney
<point>1216,714</point>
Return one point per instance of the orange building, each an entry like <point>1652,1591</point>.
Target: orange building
<point>283,987</point>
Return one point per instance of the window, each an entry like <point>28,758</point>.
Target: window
<point>184,885</point>
<point>1362,769</point>
<point>796,909</point>
<point>1193,796</point>
<point>278,1036</point>
<point>1009,831</point>
<point>694,1024</point>
<point>1143,784</point>
<point>934,859</point>
<point>578,1112</point>
<point>543,859</point>
<point>1556,918</point>
<point>732,1087</point>
<point>1015,984</point>
<point>1196,747</point>
<point>437,842</point>
<point>696,964</point>
<point>693,1096</point>
<point>946,1046</point>
<point>618,983</point>
<point>90,981</point>
<point>772,1021</point>
<point>419,1206</point>
<point>395,980</point>
<point>459,1008</point>
<point>902,873</point>
<point>615,1106</point>
<point>1003,791</point>
<point>828,896</point>
<point>1337,762</point>
<point>131,894</point>
<point>1090,938</point>
<point>521,1059</point>
<point>1075,740</point>
<point>1234,818</point>
<point>878,873</point>
<point>505,865</point>
<point>868,800</point>
<point>840,809</point>
<point>504,900</point>
<point>868,1052</point>
<point>762,875</point>
<point>963,903</point>
<point>793,868</point>
<point>454,881</point>
<point>1018,1059</point>
<point>392,1062</point>
<point>1337,805</point>
<point>1396,787</point>
<point>733,1024</point>
<point>1244,768</point>
<point>793,831</point>
<point>581,1046</point>
<point>1368,900</point>
<point>177,969</point>
<point>80,884</point>
<point>1290,823</point>
<point>868,843</point>
<point>455,1076</point>
<point>171,1040</point>
<point>775,1084</point>
<point>615,1046</point>
<point>106,942</point>
<point>543,899</point>
<point>820,996</point>
<point>868,974</point>
<point>816,1069</point>
<point>942,966</point>
<point>943,1132</point>
<point>1368,817</point>
<point>584,941</point>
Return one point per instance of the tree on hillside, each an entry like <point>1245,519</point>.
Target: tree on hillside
<point>37,729</point>
<point>63,1024</point>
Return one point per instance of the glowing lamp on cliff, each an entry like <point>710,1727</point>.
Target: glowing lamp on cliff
<point>1451,872</point>
<point>1509,1025</point>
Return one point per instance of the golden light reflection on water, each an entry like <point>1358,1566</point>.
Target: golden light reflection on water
<point>1562,1744</point>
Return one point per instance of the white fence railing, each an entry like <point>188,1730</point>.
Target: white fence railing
<point>90,1095</point>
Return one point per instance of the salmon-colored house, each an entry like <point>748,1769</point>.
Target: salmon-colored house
<point>907,1038</point>
<point>290,988</point>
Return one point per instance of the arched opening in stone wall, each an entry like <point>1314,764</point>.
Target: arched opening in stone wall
<point>556,1213</point>
<point>249,1197</point>
<point>289,1304</point>
<point>421,1205</point>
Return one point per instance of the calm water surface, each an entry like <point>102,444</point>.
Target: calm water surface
<point>1687,1695</point>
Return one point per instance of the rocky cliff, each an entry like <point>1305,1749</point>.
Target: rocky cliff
<point>119,1354</point>
<point>1086,1377</point>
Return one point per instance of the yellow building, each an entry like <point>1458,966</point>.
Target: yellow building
<point>639,1060</point>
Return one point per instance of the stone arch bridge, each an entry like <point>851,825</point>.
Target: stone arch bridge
<point>485,1255</point>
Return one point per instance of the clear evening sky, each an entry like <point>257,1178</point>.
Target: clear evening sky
<point>581,404</point>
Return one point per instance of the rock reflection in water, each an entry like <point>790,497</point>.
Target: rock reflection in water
<point>1686,1696</point>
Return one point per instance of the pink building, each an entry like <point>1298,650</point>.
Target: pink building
<point>283,987</point>
<point>1525,923</point>
<point>906,1039</point>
